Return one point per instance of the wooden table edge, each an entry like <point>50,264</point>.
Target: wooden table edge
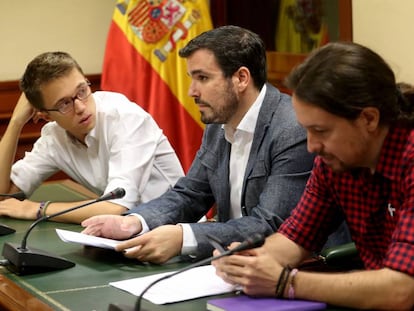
<point>15,298</point>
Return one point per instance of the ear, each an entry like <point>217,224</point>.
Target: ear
<point>42,115</point>
<point>241,78</point>
<point>370,118</point>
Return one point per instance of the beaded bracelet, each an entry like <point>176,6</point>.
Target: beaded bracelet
<point>42,209</point>
<point>291,291</point>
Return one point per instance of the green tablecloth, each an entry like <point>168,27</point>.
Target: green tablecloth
<point>85,286</point>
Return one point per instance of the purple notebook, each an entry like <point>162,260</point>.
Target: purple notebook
<point>245,303</point>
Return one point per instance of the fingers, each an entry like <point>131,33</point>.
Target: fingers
<point>92,230</point>
<point>132,252</point>
<point>146,248</point>
<point>231,276</point>
<point>90,221</point>
<point>232,268</point>
<point>23,111</point>
<point>129,244</point>
<point>94,225</point>
<point>132,248</point>
<point>90,225</point>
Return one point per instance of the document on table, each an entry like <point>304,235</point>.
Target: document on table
<point>197,282</point>
<point>85,239</point>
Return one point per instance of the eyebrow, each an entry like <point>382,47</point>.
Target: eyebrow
<point>59,101</point>
<point>197,72</point>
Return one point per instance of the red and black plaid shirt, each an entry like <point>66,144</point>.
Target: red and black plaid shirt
<point>379,208</point>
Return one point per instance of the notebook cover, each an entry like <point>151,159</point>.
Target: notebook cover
<point>245,303</point>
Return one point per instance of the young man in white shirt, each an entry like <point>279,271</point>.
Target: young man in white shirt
<point>101,140</point>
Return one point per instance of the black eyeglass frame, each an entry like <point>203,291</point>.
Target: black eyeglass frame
<point>69,105</point>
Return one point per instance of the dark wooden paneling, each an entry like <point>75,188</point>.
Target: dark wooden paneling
<point>258,16</point>
<point>279,65</point>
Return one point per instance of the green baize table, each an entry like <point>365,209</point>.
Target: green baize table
<point>85,287</point>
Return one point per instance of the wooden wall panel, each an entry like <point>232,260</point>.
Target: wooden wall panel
<point>279,65</point>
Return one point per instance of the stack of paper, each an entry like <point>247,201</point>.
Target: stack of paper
<point>84,239</point>
<point>197,282</point>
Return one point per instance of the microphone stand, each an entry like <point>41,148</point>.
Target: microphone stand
<point>23,260</point>
<point>4,229</point>
<point>256,241</point>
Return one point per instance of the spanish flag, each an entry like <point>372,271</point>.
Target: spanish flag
<point>141,61</point>
<point>300,27</point>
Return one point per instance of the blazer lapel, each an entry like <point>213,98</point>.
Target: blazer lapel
<point>223,176</point>
<point>269,105</point>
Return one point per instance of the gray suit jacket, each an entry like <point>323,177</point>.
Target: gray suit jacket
<point>277,170</point>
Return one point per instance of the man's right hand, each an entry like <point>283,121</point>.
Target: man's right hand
<point>112,226</point>
<point>23,112</point>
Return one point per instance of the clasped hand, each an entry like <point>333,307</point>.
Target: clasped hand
<point>255,270</point>
<point>157,245</point>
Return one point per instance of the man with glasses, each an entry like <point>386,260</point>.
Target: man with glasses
<point>101,140</point>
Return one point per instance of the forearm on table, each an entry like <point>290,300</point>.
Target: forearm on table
<point>383,289</point>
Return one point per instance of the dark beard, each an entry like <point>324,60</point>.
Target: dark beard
<point>223,114</point>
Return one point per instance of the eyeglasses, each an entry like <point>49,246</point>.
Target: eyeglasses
<point>65,105</point>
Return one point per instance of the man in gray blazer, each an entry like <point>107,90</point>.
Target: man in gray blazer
<point>252,164</point>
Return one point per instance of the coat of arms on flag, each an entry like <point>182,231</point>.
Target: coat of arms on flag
<point>152,20</point>
<point>141,61</point>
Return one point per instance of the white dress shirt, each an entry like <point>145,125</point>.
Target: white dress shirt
<point>126,148</point>
<point>241,140</point>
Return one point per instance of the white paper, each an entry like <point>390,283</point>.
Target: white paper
<point>85,239</point>
<point>197,282</point>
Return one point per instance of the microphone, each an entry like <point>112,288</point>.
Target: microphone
<point>18,195</point>
<point>4,229</point>
<point>23,260</point>
<point>256,240</point>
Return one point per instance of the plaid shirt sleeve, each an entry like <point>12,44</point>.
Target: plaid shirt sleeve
<point>400,253</point>
<point>316,215</point>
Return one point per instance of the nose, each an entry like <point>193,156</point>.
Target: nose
<point>79,105</point>
<point>313,144</point>
<point>192,90</point>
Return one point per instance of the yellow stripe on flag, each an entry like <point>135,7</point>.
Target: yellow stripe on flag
<point>158,31</point>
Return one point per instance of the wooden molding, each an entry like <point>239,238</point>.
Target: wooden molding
<point>15,298</point>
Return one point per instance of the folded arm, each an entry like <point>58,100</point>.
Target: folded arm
<point>259,272</point>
